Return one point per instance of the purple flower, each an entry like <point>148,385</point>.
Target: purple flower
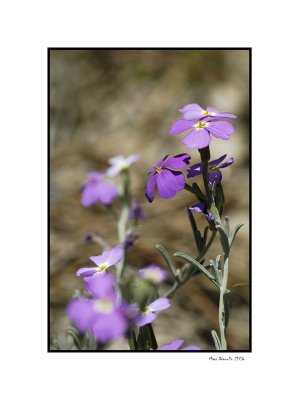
<point>168,181</point>
<point>202,208</point>
<point>153,274</point>
<point>199,137</point>
<point>102,261</point>
<point>130,240</point>
<point>121,163</point>
<point>195,112</point>
<point>148,315</point>
<point>136,211</point>
<point>176,344</point>
<point>103,316</point>
<point>96,190</point>
<point>214,173</point>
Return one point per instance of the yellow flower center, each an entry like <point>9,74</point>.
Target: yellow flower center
<point>158,169</point>
<point>213,168</point>
<point>205,113</point>
<point>104,306</point>
<point>200,125</point>
<point>102,268</point>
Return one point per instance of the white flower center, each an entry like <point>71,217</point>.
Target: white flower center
<point>104,306</point>
<point>200,125</point>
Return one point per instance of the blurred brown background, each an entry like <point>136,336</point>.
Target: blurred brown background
<point>109,102</point>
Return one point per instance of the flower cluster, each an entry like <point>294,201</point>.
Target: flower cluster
<point>203,123</point>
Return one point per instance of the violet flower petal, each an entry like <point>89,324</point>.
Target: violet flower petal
<point>170,182</point>
<point>218,161</point>
<point>80,311</point>
<point>180,126</point>
<point>220,113</point>
<point>191,107</point>
<point>197,139</point>
<point>158,164</point>
<point>114,255</point>
<point>195,170</point>
<point>145,318</point>
<point>227,163</point>
<point>101,286</point>
<point>149,190</point>
<point>107,327</point>
<point>162,303</point>
<point>88,271</point>
<point>190,348</point>
<point>178,161</point>
<point>214,176</point>
<point>175,345</point>
<point>199,207</point>
<point>220,129</point>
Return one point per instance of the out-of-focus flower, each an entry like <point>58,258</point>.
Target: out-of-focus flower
<point>214,173</point>
<point>148,314</point>
<point>176,344</point>
<point>130,240</point>
<point>102,261</point>
<point>104,315</point>
<point>136,211</point>
<point>121,163</point>
<point>201,208</point>
<point>153,274</point>
<point>199,137</point>
<point>96,190</point>
<point>168,181</point>
<point>195,112</point>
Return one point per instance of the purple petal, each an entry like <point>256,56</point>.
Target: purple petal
<point>180,126</point>
<point>197,139</point>
<point>178,161</point>
<point>214,176</point>
<point>158,164</point>
<point>175,345</point>
<point>162,303</point>
<point>114,255</point>
<point>191,348</point>
<point>170,182</point>
<point>149,190</point>
<point>100,259</point>
<point>218,161</point>
<point>145,318</point>
<point>101,286</point>
<point>191,107</point>
<point>86,271</point>
<point>107,327</point>
<point>153,273</point>
<point>227,163</point>
<point>195,170</point>
<point>220,113</point>
<point>80,311</point>
<point>199,207</point>
<point>220,129</point>
<point>103,192</point>
<point>95,176</point>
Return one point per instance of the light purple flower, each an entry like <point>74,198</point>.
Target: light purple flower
<point>104,315</point>
<point>102,261</point>
<point>214,173</point>
<point>96,190</point>
<point>121,163</point>
<point>199,137</point>
<point>148,314</point>
<point>168,181</point>
<point>153,274</point>
<point>202,208</point>
<point>195,112</point>
<point>176,344</point>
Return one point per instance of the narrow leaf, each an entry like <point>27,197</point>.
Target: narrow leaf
<point>227,226</point>
<point>167,258</point>
<point>196,264</point>
<point>223,239</point>
<point>235,232</point>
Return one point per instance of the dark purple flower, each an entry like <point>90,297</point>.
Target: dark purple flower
<point>136,211</point>
<point>153,273</point>
<point>147,315</point>
<point>102,261</point>
<point>202,208</point>
<point>121,163</point>
<point>199,137</point>
<point>214,173</point>
<point>168,181</point>
<point>130,240</point>
<point>195,112</point>
<point>104,315</point>
<point>176,344</point>
<point>96,190</point>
